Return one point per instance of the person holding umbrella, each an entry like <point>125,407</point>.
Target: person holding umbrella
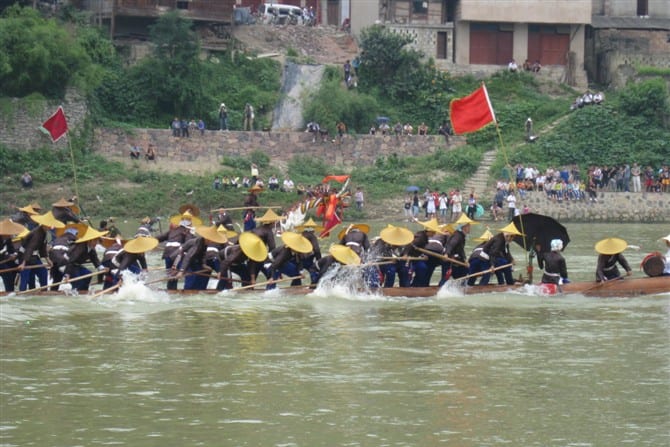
<point>610,253</point>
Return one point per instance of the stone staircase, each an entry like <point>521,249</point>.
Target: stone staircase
<point>480,180</point>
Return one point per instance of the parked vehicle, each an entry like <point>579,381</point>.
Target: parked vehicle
<point>280,14</point>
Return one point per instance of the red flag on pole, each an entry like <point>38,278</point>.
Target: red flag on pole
<point>337,178</point>
<point>56,125</point>
<point>471,113</point>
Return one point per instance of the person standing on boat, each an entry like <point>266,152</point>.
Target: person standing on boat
<point>496,250</point>
<point>433,239</point>
<point>610,253</point>
<point>59,252</point>
<point>33,249</point>
<point>455,248</point>
<point>199,256</point>
<point>65,211</point>
<point>554,265</point>
<point>309,230</point>
<point>391,243</point>
<point>287,259</point>
<point>81,252</point>
<point>178,234</point>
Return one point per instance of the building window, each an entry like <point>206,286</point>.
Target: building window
<point>182,4</point>
<point>642,7</point>
<point>419,7</point>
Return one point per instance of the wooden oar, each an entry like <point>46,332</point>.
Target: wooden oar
<point>402,258</point>
<point>169,277</point>
<point>443,257</point>
<point>483,272</point>
<point>107,290</point>
<point>265,283</point>
<point>88,275</point>
<point>27,267</point>
<point>243,208</point>
<point>374,264</point>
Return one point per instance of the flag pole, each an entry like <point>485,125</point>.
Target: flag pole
<point>74,170</point>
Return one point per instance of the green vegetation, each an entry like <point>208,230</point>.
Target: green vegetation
<point>632,124</point>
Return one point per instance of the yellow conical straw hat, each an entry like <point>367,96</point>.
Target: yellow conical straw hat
<point>431,225</point>
<point>463,219</point>
<point>296,242</point>
<point>90,234</point>
<point>269,217</point>
<point>396,235</point>
<point>344,254</point>
<point>253,246</point>
<point>363,228</point>
<point>80,228</point>
<point>186,215</point>
<point>211,234</point>
<point>228,233</point>
<point>511,229</point>
<point>28,209</point>
<point>48,220</point>
<point>611,246</point>
<point>141,244</point>
<point>9,228</point>
<point>484,237</point>
<point>21,235</point>
<point>310,225</point>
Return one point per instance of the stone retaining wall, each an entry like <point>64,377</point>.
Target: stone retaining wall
<point>203,153</point>
<point>610,207</point>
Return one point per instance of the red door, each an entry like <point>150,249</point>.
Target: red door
<point>490,46</point>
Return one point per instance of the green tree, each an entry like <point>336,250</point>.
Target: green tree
<point>647,98</point>
<point>38,55</point>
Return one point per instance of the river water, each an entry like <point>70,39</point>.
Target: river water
<point>330,369</point>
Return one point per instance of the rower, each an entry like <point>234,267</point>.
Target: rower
<point>200,256</point>
<point>287,260</point>
<point>65,211</point>
<point>610,253</point>
<point>59,251</point>
<point>391,243</point>
<point>34,248</point>
<point>309,230</point>
<point>179,233</point>
<point>131,257</point>
<point>8,254</point>
<point>82,251</point>
<point>478,263</point>
<point>497,251</point>
<point>455,247</point>
<point>553,263</point>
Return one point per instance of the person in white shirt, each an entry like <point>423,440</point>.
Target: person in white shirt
<point>512,66</point>
<point>456,205</point>
<point>511,205</point>
<point>288,185</point>
<point>666,270</point>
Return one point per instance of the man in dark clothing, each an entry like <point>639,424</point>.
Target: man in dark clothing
<point>553,263</point>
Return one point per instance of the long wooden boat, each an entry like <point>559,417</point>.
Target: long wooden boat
<point>624,288</point>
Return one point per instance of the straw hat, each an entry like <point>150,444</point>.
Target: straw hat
<point>228,233</point>
<point>310,225</point>
<point>432,225</point>
<point>511,229</point>
<point>91,234</point>
<point>9,228</point>
<point>363,228</point>
<point>48,220</point>
<point>255,188</point>
<point>21,235</point>
<point>253,246</point>
<point>667,238</point>
<point>398,236</point>
<point>344,255</point>
<point>464,220</point>
<point>28,209</point>
<point>63,203</point>
<point>145,220</point>
<point>140,244</point>
<point>211,234</point>
<point>107,242</point>
<point>269,217</point>
<point>611,246</point>
<point>177,219</point>
<point>194,210</point>
<point>296,242</point>
<point>77,229</point>
<point>484,237</point>
<point>36,206</point>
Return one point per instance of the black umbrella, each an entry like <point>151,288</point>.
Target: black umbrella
<point>539,230</point>
<point>412,188</point>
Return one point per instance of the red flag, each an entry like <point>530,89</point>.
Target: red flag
<point>56,125</point>
<point>471,113</point>
<point>337,178</point>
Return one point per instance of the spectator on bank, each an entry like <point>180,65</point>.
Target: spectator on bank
<point>223,117</point>
<point>201,127</point>
<point>151,154</point>
<point>249,116</point>
<point>135,152</point>
<point>512,66</point>
<point>359,198</point>
<point>27,180</point>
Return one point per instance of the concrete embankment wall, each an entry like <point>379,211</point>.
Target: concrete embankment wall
<point>610,207</point>
<point>203,153</point>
